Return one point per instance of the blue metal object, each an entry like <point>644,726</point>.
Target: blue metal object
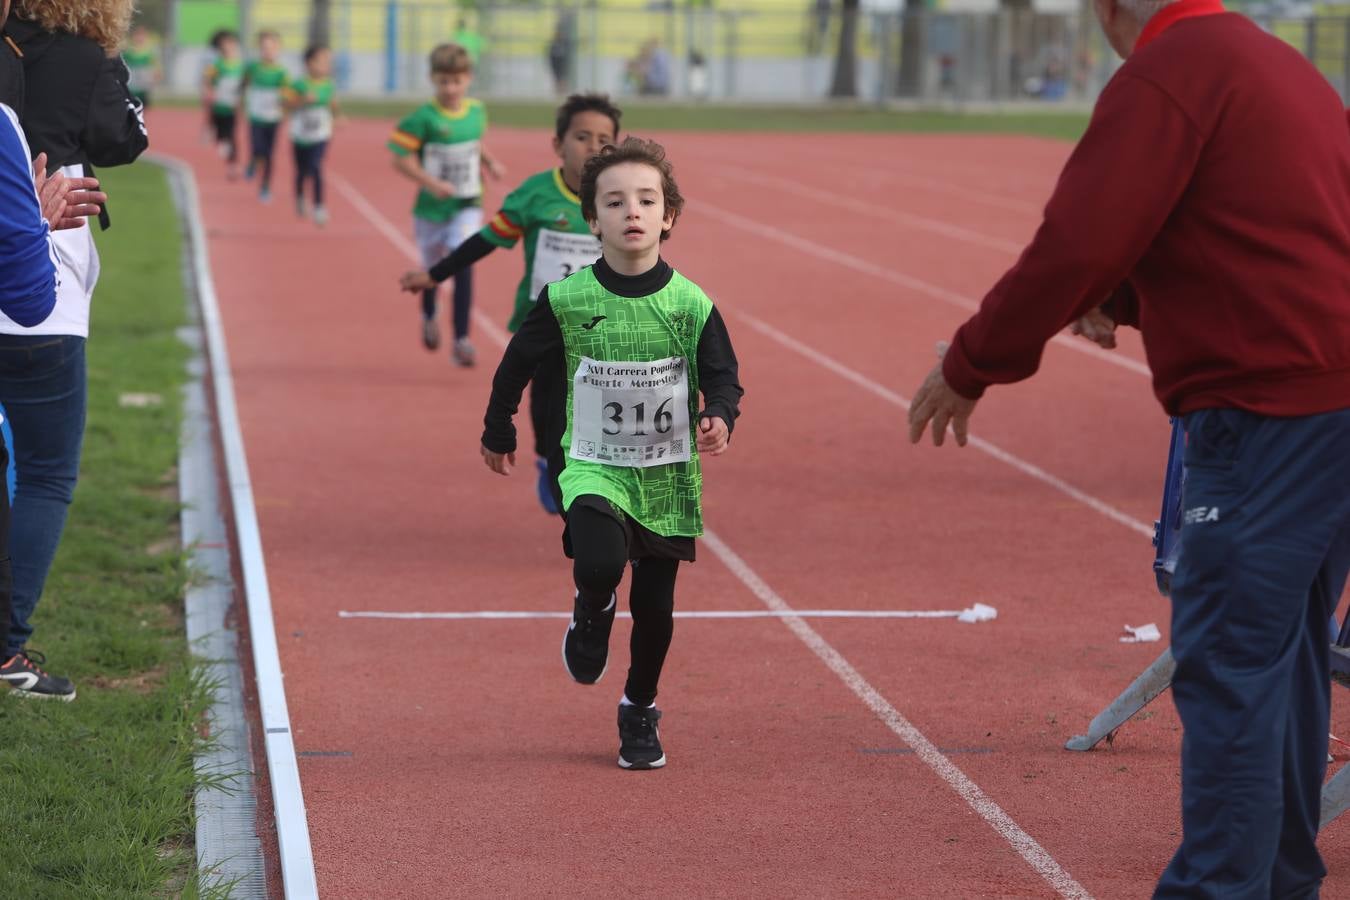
<point>1167,529</point>
<point>390,47</point>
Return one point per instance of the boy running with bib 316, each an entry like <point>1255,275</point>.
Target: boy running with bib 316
<point>638,343</point>
<point>546,211</point>
<point>440,147</point>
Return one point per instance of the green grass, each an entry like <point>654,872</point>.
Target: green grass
<point>97,794</point>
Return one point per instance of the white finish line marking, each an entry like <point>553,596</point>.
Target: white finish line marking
<point>925,750</point>
<point>679,614</point>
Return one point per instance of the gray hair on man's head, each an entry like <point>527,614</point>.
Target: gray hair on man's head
<point>1143,10</point>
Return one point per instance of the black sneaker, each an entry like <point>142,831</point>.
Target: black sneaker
<point>639,738</point>
<point>27,680</point>
<point>586,644</point>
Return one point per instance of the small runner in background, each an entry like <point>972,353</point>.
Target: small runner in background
<point>638,343</point>
<point>265,80</point>
<point>312,101</point>
<point>142,59</point>
<point>221,85</point>
<point>545,210</point>
<point>440,147</point>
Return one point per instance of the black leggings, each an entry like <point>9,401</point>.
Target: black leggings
<point>309,164</point>
<point>262,141</point>
<point>600,551</point>
<point>225,127</point>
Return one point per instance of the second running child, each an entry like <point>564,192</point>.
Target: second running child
<point>638,343</point>
<point>545,210</point>
<point>440,147</point>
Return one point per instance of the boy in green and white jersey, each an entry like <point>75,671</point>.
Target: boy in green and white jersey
<point>312,101</point>
<point>142,65</point>
<point>221,84</point>
<point>440,147</point>
<point>265,81</point>
<point>638,344</point>
<point>545,210</point>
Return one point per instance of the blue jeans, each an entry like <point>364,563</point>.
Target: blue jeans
<point>43,390</point>
<point>1265,550</point>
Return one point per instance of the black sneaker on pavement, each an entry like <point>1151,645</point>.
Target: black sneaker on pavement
<point>639,738</point>
<point>586,644</point>
<point>22,674</point>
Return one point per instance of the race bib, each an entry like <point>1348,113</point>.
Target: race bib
<point>558,254</point>
<point>312,124</point>
<point>631,414</point>
<point>264,104</point>
<point>227,90</point>
<point>458,164</point>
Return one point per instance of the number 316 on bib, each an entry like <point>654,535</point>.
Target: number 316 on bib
<point>631,414</point>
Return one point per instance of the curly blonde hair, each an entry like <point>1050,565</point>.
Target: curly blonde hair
<point>103,21</point>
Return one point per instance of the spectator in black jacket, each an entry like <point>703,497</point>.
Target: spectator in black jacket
<point>79,111</point>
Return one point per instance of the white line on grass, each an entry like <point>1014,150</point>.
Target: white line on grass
<point>918,285</point>
<point>924,749</point>
<point>493,614</point>
<point>293,844</point>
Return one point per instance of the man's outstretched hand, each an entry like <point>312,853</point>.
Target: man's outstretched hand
<point>936,402</point>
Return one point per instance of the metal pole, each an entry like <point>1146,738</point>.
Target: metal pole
<point>391,46</point>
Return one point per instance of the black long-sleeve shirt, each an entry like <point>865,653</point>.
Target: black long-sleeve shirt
<point>78,108</point>
<point>540,339</point>
<point>474,248</point>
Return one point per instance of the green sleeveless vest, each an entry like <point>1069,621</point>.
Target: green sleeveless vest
<point>633,380</point>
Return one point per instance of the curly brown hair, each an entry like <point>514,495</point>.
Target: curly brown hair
<point>632,150</point>
<point>103,21</point>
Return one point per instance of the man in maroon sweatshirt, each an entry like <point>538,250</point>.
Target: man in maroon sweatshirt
<point>1208,203</point>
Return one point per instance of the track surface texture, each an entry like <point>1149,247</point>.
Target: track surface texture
<point>455,758</point>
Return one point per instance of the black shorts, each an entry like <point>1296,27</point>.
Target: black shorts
<point>643,543</point>
<point>224,125</point>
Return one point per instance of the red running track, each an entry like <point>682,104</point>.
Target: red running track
<point>455,758</point>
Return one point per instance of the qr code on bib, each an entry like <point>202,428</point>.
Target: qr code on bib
<point>677,446</point>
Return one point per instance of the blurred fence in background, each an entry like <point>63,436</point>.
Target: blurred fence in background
<point>773,51</point>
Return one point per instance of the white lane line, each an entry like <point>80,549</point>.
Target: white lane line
<point>909,220</point>
<point>492,614</point>
<point>1025,845</point>
<point>918,285</point>
<point>293,843</point>
<point>924,749</point>
<point>890,396</point>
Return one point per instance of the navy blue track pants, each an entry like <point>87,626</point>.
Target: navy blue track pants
<point>1265,551</point>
